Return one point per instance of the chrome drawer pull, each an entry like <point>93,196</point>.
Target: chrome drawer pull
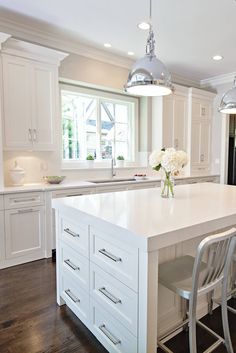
<point>67,230</point>
<point>26,211</point>
<point>108,254</point>
<point>71,296</point>
<point>69,263</point>
<point>107,333</point>
<point>109,295</point>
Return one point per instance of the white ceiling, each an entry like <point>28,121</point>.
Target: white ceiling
<point>188,32</point>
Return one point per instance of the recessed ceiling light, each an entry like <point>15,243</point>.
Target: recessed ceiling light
<point>131,53</point>
<point>144,25</point>
<point>217,57</point>
<point>107,45</point>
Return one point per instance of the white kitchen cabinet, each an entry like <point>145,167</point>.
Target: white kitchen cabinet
<point>24,233</point>
<point>199,133</point>
<point>30,96</point>
<point>170,119</point>
<point>2,234</point>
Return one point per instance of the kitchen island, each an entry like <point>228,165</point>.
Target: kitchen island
<point>108,250</point>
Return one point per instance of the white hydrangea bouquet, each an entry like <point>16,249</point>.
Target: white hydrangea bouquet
<point>170,162</point>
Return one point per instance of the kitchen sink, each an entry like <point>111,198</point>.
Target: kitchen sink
<point>111,181</point>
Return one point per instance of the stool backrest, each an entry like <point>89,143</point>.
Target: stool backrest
<point>217,247</point>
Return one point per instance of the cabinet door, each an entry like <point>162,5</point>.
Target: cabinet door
<point>44,106</point>
<point>180,123</point>
<point>24,230</point>
<point>168,115</point>
<point>2,237</point>
<point>195,143</point>
<point>17,103</point>
<point>205,142</point>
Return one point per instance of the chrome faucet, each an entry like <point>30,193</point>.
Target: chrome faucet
<point>113,173</point>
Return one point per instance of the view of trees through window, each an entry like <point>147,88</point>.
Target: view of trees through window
<point>97,126</point>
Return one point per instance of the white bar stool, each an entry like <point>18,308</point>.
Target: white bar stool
<point>190,277</point>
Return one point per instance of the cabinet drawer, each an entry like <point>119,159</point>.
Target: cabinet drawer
<point>117,259</point>
<point>113,335</point>
<point>75,235</point>
<point>1,202</point>
<point>75,264</point>
<point>116,297</point>
<point>75,297</point>
<point>23,200</point>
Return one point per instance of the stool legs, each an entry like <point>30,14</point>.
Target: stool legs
<point>192,324</point>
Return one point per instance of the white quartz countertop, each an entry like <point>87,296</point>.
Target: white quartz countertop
<point>85,184</point>
<point>195,210</point>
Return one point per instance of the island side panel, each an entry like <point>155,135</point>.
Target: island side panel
<point>60,301</point>
<point>148,302</point>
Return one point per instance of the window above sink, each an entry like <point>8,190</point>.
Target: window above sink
<point>97,123</point>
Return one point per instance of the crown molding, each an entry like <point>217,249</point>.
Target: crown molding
<point>3,38</point>
<point>24,28</point>
<point>185,81</point>
<point>218,80</point>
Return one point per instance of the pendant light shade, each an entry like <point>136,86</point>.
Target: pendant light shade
<point>149,76</point>
<point>228,102</point>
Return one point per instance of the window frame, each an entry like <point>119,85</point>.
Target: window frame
<point>101,94</point>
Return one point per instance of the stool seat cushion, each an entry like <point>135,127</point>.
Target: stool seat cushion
<point>176,275</point>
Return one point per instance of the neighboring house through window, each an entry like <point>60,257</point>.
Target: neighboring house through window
<point>98,123</point>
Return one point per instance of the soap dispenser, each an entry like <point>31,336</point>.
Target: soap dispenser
<point>17,175</point>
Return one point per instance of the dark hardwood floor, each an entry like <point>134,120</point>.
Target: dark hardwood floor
<point>31,321</point>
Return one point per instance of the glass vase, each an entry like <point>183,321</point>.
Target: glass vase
<point>167,185</point>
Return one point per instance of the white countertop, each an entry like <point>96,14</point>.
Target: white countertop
<point>196,209</point>
<point>83,184</point>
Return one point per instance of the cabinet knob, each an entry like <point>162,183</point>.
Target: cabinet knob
<point>202,157</point>
<point>176,143</point>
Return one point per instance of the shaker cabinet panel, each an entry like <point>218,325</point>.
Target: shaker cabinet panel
<point>43,119</point>
<point>2,236</point>
<point>180,122</point>
<point>30,96</point>
<point>17,105</point>
<point>24,232</point>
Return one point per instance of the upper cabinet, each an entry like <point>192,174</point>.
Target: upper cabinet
<point>170,119</point>
<point>30,96</point>
<point>200,130</point>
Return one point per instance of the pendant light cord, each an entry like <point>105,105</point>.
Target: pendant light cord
<point>150,47</point>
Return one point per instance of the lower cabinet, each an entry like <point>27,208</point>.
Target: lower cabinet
<point>24,232</point>
<point>2,237</point>
<point>22,228</point>
<point>99,285</point>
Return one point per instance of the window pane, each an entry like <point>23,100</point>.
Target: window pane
<point>94,125</point>
<point>122,113</point>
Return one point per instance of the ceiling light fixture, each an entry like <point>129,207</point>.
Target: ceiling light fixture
<point>217,57</point>
<point>107,45</point>
<point>131,53</point>
<point>144,25</point>
<point>149,76</point>
<point>228,102</point>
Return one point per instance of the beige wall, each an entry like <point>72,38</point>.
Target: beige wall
<point>91,71</point>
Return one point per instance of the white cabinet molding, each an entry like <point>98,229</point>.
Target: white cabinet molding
<point>30,95</point>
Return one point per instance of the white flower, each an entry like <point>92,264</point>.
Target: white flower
<point>171,161</point>
<point>156,158</point>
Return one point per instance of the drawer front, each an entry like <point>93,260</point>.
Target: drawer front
<point>76,265</point>
<point>113,335</point>
<point>1,203</point>
<point>23,200</point>
<point>116,297</point>
<point>116,259</point>
<point>76,235</point>
<point>75,297</point>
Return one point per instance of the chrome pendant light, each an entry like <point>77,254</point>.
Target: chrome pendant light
<point>149,76</point>
<point>228,102</point>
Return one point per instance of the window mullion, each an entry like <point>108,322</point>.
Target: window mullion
<point>98,130</point>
